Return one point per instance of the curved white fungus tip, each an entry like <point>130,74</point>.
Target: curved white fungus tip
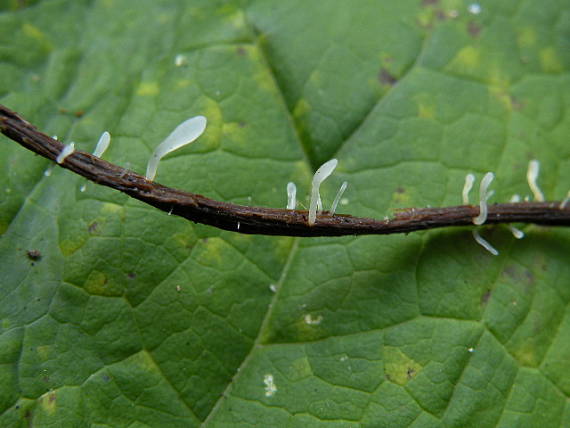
<point>565,201</point>
<point>339,194</point>
<point>517,233</point>
<point>67,150</point>
<point>531,176</point>
<point>185,133</point>
<point>83,188</point>
<point>481,241</point>
<point>322,173</point>
<point>102,144</point>
<point>291,196</point>
<point>515,199</point>
<point>484,195</point>
<point>469,180</point>
<point>180,60</point>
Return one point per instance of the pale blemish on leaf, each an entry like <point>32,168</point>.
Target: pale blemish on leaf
<point>467,58</point>
<point>70,246</point>
<point>302,108</point>
<point>550,61</point>
<point>44,352</point>
<point>426,111</point>
<point>183,83</point>
<point>48,402</point>
<point>398,367</point>
<point>527,37</point>
<point>148,89</point>
<point>35,33</point>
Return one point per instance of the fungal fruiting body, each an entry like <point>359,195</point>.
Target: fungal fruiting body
<point>67,150</point>
<point>322,173</point>
<point>102,144</point>
<point>184,134</point>
<point>469,180</point>
<point>481,241</point>
<point>531,176</point>
<point>339,194</point>
<point>270,387</point>
<point>291,196</point>
<point>484,195</point>
<point>517,233</point>
<point>565,201</point>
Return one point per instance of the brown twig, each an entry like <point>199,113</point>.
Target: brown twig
<point>268,221</point>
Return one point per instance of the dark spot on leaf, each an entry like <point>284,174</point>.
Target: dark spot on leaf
<point>52,397</point>
<point>485,297</point>
<point>79,113</point>
<point>106,378</point>
<point>441,15</point>
<point>386,78</point>
<point>400,190</point>
<point>34,255</point>
<point>410,373</point>
<point>473,29</point>
<point>131,275</point>
<point>426,3</point>
<point>517,105</point>
<point>28,414</point>
<point>388,377</point>
<point>93,227</point>
<point>241,124</point>
<point>241,51</point>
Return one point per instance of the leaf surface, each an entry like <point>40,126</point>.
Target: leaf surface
<point>114,314</point>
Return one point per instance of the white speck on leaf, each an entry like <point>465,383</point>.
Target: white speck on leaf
<point>474,8</point>
<point>270,387</point>
<point>180,60</point>
<point>313,321</point>
<point>273,288</point>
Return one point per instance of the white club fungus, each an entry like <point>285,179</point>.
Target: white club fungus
<point>517,233</point>
<point>484,195</point>
<point>565,201</point>
<point>291,196</point>
<point>515,199</point>
<point>339,194</point>
<point>180,60</point>
<point>322,173</point>
<point>102,144</point>
<point>67,150</point>
<point>185,133</point>
<point>474,8</point>
<point>481,241</point>
<point>531,176</point>
<point>469,180</point>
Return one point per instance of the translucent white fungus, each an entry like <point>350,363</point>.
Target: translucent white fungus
<point>484,195</point>
<point>469,180</point>
<point>313,321</point>
<point>67,150</point>
<point>180,60</point>
<point>184,134</point>
<point>565,201</point>
<point>515,199</point>
<point>531,176</point>
<point>474,8</point>
<point>517,233</point>
<point>48,171</point>
<point>471,350</point>
<point>291,196</point>
<point>238,225</point>
<point>102,144</point>
<point>270,387</point>
<point>322,173</point>
<point>343,187</point>
<point>481,241</point>
<point>273,288</point>
<point>83,188</point>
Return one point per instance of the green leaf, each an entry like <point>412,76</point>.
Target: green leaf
<point>115,314</point>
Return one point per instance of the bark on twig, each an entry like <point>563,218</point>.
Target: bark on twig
<point>268,221</point>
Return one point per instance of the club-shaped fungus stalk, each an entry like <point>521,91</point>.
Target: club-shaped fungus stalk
<point>517,233</point>
<point>484,195</point>
<point>339,194</point>
<point>531,176</point>
<point>469,180</point>
<point>184,134</point>
<point>481,241</point>
<point>102,144</point>
<point>291,196</point>
<point>67,150</point>
<point>565,201</point>
<point>322,173</point>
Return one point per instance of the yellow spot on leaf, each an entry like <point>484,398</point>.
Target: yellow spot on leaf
<point>35,33</point>
<point>550,61</point>
<point>148,89</point>
<point>44,352</point>
<point>183,83</point>
<point>398,367</point>
<point>302,108</point>
<point>95,283</point>
<point>48,402</point>
<point>426,112</point>
<point>70,246</point>
<point>469,57</point>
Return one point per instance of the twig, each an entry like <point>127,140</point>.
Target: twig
<point>268,221</point>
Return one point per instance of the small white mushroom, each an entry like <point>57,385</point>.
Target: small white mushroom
<point>531,176</point>
<point>469,180</point>
<point>184,134</point>
<point>484,195</point>
<point>67,150</point>
<point>322,173</point>
<point>515,199</point>
<point>517,233</point>
<point>291,196</point>
<point>339,194</point>
<point>102,144</point>
<point>484,243</point>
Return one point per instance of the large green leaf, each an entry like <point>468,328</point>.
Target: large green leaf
<point>133,318</point>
